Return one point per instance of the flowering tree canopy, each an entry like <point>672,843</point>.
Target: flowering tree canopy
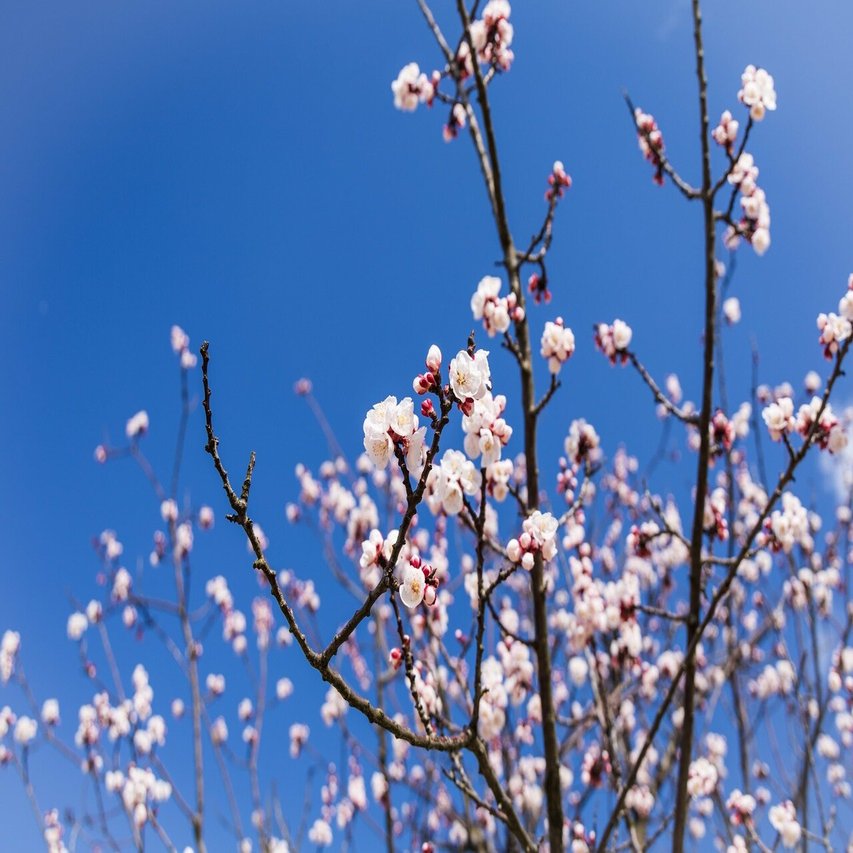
<point>512,654</point>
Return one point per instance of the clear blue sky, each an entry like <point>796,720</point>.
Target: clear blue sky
<point>239,169</point>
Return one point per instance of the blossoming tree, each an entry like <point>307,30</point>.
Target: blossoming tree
<point>548,659</point>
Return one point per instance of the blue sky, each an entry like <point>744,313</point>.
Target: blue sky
<point>240,170</point>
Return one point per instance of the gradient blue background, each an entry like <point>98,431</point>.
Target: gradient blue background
<point>239,169</point>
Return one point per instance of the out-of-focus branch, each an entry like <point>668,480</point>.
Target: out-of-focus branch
<point>686,190</point>
<point>681,414</point>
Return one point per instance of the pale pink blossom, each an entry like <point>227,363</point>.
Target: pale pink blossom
<point>412,87</point>
<point>757,92</point>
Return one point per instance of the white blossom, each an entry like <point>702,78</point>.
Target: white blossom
<point>412,586</point>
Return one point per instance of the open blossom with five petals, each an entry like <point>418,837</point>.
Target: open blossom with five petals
<point>470,377</point>
<point>779,417</point>
<point>417,583</point>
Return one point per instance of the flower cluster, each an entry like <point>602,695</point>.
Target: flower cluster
<point>725,132</point>
<point>828,434</point>
<point>53,832</point>
<point>454,477</point>
<point>754,225</point>
<point>601,607</point>
<point>428,381</point>
<point>537,284</point>
<point>613,340</point>
<point>714,520</point>
<point>757,92</point>
<point>557,345</point>
<point>494,700</point>
<point>494,310</point>
<point>650,140</point>
<point>140,791</point>
<point>783,818</point>
<point>788,526</point>
<point>412,87</point>
<point>492,34</point>
<point>741,807</point>
<point>486,432</point>
<point>389,424</point>
<point>835,329</point>
<point>540,535</point>
<point>595,767</point>
<point>558,182</point>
